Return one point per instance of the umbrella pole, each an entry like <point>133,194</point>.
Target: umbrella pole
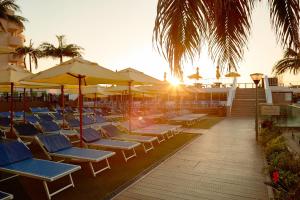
<point>80,108</point>
<point>129,105</point>
<point>11,107</point>
<point>95,99</point>
<point>62,94</point>
<point>24,104</point>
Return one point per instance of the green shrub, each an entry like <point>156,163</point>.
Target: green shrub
<point>275,145</point>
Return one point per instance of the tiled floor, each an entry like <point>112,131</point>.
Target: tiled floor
<point>224,163</point>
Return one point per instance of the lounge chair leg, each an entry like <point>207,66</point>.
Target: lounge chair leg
<point>128,157</point>
<point>100,170</point>
<point>160,140</point>
<point>49,195</point>
<point>168,135</point>
<point>148,149</point>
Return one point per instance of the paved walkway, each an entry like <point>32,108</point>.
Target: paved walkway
<point>223,163</point>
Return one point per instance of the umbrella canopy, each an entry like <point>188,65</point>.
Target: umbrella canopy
<point>232,75</point>
<point>195,76</point>
<point>122,88</point>
<point>10,75</point>
<point>137,77</point>
<point>68,73</point>
<point>77,71</point>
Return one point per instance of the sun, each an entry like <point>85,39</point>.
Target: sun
<point>174,81</point>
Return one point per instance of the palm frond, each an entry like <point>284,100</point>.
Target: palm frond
<point>179,28</point>
<point>19,20</point>
<point>290,62</point>
<point>284,16</point>
<point>289,52</point>
<point>9,4</point>
<point>291,65</point>
<point>230,23</point>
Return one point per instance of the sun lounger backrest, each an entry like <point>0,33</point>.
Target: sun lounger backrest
<point>100,119</point>
<point>90,135</point>
<point>57,116</point>
<point>55,142</point>
<point>49,126</point>
<point>5,114</point>
<point>73,122</point>
<point>111,130</point>
<point>44,109</point>
<point>12,151</point>
<point>45,117</point>
<point>31,118</point>
<point>4,121</point>
<point>87,120</point>
<point>19,114</point>
<point>26,129</point>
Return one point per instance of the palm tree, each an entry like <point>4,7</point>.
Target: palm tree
<point>62,50</point>
<point>290,62</point>
<point>183,26</point>
<point>32,53</point>
<point>5,6</point>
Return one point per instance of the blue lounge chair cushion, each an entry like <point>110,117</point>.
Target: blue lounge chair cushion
<point>4,121</point>
<point>111,130</point>
<point>85,154</point>
<point>58,116</point>
<point>55,142</point>
<point>19,114</point>
<point>45,117</point>
<point>49,126</point>
<point>73,122</point>
<point>5,114</point>
<point>100,119</point>
<point>26,129</point>
<point>31,118</point>
<point>41,169</point>
<point>90,135</point>
<point>87,120</point>
<point>12,151</point>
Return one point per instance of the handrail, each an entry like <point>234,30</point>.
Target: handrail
<point>231,94</point>
<point>268,91</point>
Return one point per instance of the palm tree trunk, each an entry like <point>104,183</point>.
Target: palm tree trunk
<point>30,68</point>
<point>61,59</point>
<point>24,61</point>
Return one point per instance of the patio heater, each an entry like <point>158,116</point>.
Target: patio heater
<point>256,77</point>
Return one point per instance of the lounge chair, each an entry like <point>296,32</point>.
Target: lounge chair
<point>92,138</point>
<point>57,145</point>
<point>31,119</point>
<point>99,122</point>
<point>17,159</point>
<point>5,196</point>
<point>44,116</point>
<point>160,134</point>
<point>4,123</point>
<point>53,127</point>
<point>26,130</point>
<point>113,132</point>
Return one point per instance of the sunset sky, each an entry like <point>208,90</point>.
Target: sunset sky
<point>118,34</point>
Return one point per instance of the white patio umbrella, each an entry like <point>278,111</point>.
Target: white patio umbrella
<point>135,77</point>
<point>78,71</point>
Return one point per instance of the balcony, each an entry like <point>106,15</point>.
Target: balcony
<point>15,41</point>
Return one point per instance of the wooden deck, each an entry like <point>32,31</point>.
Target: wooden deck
<point>224,163</point>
